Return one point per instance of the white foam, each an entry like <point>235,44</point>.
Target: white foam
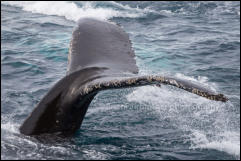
<point>139,10</point>
<point>70,10</point>
<point>95,155</point>
<point>228,141</point>
<point>9,127</point>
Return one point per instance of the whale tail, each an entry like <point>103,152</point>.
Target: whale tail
<point>100,57</point>
<point>64,107</point>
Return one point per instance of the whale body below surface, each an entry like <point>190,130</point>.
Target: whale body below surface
<point>100,57</point>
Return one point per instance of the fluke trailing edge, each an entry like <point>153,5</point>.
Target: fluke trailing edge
<point>100,57</point>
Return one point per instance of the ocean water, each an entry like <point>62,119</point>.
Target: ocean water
<point>195,41</point>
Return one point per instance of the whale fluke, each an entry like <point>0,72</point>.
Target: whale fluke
<point>100,58</point>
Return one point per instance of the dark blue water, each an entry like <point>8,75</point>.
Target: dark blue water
<point>195,41</point>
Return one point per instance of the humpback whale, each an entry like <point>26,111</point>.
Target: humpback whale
<point>100,57</point>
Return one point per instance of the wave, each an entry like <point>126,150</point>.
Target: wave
<point>72,11</point>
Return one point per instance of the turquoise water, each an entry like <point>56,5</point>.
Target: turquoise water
<point>195,41</point>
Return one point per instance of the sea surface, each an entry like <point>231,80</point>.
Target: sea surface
<point>195,41</point>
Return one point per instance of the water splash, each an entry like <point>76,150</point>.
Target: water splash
<point>208,121</point>
<point>72,11</point>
